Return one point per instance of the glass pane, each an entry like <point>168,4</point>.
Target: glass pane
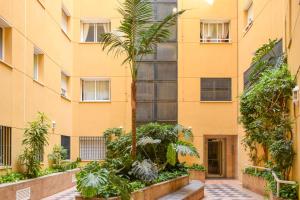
<point>166,71</point>
<point>88,32</point>
<point>167,111</point>
<point>1,43</point>
<point>64,21</point>
<point>145,112</point>
<point>35,67</point>
<point>102,90</point>
<point>102,28</point>
<point>167,52</point>
<point>88,90</point>
<point>145,91</point>
<point>164,9</point>
<point>212,32</point>
<point>64,82</point>
<point>145,71</point>
<point>167,91</point>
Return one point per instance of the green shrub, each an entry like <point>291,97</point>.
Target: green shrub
<point>11,177</point>
<point>197,167</point>
<point>35,138</point>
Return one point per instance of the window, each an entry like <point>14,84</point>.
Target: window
<point>66,143</point>
<point>5,41</point>
<point>1,43</point>
<point>65,19</point>
<point>5,146</point>
<point>214,31</point>
<point>64,84</point>
<point>215,89</point>
<point>92,148</point>
<point>38,62</point>
<point>96,90</point>
<point>248,16</point>
<point>92,32</point>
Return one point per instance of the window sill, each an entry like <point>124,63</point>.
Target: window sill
<point>90,42</point>
<point>92,160</point>
<point>39,83</point>
<point>206,42</point>
<point>216,101</point>
<point>5,167</point>
<point>108,101</point>
<point>66,34</point>
<point>6,64</point>
<point>65,98</point>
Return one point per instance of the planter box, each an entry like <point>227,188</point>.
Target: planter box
<point>197,175</point>
<point>40,187</point>
<point>255,184</point>
<point>154,191</point>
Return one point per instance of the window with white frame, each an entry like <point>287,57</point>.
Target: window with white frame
<point>64,20</point>
<point>37,64</point>
<point>1,43</point>
<point>64,84</point>
<point>92,148</point>
<point>92,32</point>
<point>96,90</point>
<point>214,31</point>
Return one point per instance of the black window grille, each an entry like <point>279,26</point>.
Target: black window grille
<point>215,89</point>
<point>66,143</point>
<point>92,148</point>
<point>5,146</point>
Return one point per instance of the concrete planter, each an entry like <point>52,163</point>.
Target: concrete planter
<point>197,175</point>
<point>154,191</point>
<point>255,184</point>
<point>41,187</point>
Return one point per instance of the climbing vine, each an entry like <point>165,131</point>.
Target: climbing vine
<point>264,108</point>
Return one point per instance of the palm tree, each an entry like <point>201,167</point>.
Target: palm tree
<point>137,36</point>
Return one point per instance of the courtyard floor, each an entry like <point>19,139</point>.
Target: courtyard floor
<point>214,190</point>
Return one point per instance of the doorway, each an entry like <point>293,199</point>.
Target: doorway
<point>215,157</point>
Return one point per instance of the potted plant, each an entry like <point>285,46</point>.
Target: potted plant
<point>197,172</point>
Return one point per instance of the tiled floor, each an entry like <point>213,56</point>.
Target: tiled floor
<point>228,190</point>
<point>214,190</point>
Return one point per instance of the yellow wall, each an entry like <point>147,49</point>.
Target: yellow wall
<point>37,23</point>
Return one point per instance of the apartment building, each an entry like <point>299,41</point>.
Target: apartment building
<point>51,61</point>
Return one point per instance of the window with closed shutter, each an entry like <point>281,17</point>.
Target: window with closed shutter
<point>215,89</point>
<point>5,146</point>
<point>92,148</point>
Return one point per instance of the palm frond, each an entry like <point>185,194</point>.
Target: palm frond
<point>146,170</point>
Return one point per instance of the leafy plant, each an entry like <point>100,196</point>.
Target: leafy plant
<point>35,138</point>
<point>58,155</point>
<point>136,37</point>
<point>96,181</point>
<point>145,170</point>
<point>197,167</point>
<point>264,111</point>
<point>11,177</point>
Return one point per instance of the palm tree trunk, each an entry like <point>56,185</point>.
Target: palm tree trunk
<point>133,118</point>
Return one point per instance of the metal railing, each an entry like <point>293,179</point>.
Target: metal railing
<point>278,181</point>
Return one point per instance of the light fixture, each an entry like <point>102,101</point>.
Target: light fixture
<point>121,127</point>
<point>296,94</point>
<point>174,10</point>
<point>53,124</point>
<point>210,2</point>
<point>190,128</point>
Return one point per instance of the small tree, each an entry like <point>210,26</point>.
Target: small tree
<point>35,138</point>
<point>58,155</point>
<point>137,36</point>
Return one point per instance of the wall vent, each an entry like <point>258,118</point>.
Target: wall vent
<point>23,194</point>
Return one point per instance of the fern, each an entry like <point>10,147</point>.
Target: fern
<point>146,170</point>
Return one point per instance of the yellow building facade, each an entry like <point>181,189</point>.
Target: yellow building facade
<point>51,61</point>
